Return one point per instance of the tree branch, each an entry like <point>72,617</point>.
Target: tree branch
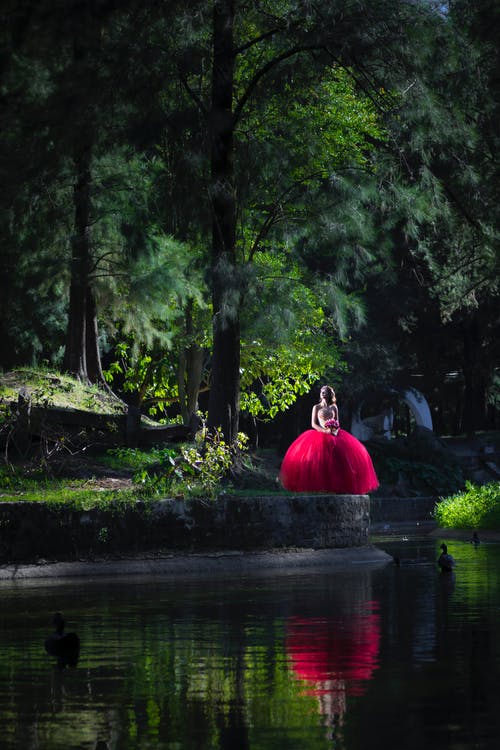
<point>263,72</point>
<point>193,95</point>
<point>275,210</point>
<point>258,39</point>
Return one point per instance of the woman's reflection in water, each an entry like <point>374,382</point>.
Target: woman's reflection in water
<point>336,657</point>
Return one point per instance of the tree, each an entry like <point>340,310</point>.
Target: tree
<point>77,188</point>
<point>448,236</point>
<point>248,50</point>
<point>276,147</point>
<point>56,49</point>
<point>82,355</point>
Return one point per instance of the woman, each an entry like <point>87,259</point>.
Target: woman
<point>327,458</point>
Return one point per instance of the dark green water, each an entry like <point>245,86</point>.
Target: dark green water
<point>386,658</point>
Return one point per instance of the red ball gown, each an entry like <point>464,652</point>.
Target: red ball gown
<point>323,462</point>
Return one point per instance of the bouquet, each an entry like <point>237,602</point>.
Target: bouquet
<point>332,424</point>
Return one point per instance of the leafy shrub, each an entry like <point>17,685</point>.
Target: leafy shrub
<point>421,460</point>
<point>477,507</point>
<point>196,470</point>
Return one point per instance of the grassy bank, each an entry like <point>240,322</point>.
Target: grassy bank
<point>124,475</point>
<point>80,469</point>
<point>48,388</point>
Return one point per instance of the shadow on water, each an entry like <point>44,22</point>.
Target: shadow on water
<point>395,656</point>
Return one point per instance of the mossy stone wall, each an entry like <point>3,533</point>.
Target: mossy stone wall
<point>30,531</point>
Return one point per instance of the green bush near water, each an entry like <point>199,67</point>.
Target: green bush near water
<point>477,507</point>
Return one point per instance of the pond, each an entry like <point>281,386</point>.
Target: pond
<point>387,657</point>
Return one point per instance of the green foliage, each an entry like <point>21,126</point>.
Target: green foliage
<point>48,387</point>
<point>477,507</point>
<point>288,341</point>
<point>14,481</point>
<point>152,379</point>
<point>320,121</point>
<point>423,478</point>
<point>157,281</point>
<point>136,459</point>
<point>18,485</point>
<point>418,462</point>
<point>195,470</point>
<point>366,183</point>
<point>272,378</point>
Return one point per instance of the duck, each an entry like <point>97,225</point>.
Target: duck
<point>446,561</point>
<point>65,646</point>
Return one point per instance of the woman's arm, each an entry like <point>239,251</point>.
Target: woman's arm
<point>315,423</point>
<point>335,430</point>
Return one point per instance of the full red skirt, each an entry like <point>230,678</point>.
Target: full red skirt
<point>322,462</point>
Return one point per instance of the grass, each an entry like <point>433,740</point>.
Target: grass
<point>30,486</point>
<point>477,507</point>
<point>82,499</point>
<point>135,459</point>
<point>143,474</point>
<point>50,388</point>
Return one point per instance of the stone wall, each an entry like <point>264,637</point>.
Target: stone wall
<point>30,531</point>
<point>401,509</point>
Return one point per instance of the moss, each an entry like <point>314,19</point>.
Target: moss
<point>50,388</point>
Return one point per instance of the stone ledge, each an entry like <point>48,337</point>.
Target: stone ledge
<point>230,563</point>
<point>29,531</point>
<point>401,509</point>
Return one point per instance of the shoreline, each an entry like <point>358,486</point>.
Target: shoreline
<point>465,535</point>
<point>228,563</point>
<point>208,564</point>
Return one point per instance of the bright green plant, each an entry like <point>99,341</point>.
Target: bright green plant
<point>59,495</point>
<point>477,507</point>
<point>14,481</point>
<point>197,470</point>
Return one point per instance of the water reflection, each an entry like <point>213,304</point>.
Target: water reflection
<point>334,657</point>
<point>261,663</point>
<point>340,648</point>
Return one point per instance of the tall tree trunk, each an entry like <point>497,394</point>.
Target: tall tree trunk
<point>189,370</point>
<point>92,352</point>
<point>75,356</point>
<point>82,357</point>
<point>223,410</point>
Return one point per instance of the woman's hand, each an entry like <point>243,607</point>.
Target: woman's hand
<point>332,425</point>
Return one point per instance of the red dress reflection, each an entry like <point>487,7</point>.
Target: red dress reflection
<point>335,650</point>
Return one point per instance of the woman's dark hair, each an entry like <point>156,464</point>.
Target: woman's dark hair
<point>329,394</point>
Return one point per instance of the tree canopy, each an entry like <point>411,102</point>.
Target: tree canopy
<point>243,199</point>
